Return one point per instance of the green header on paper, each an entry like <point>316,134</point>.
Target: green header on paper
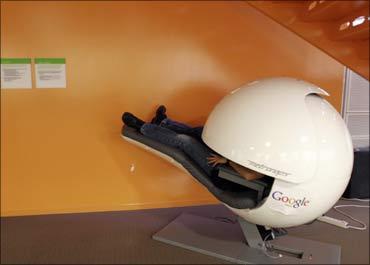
<point>15,61</point>
<point>50,60</point>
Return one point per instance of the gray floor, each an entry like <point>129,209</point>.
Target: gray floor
<point>125,237</point>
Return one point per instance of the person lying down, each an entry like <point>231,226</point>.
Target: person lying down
<point>186,138</point>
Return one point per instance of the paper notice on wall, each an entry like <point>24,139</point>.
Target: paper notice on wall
<point>50,72</point>
<point>16,73</point>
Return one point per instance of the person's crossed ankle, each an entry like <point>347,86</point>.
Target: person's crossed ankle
<point>132,121</point>
<point>160,115</point>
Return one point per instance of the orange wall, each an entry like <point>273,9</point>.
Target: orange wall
<point>61,149</point>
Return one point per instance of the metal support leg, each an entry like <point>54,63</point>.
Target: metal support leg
<point>251,234</point>
<point>225,241</point>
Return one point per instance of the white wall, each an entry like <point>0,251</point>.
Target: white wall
<point>356,108</point>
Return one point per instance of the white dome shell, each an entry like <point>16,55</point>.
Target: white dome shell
<point>265,126</point>
<point>282,128</point>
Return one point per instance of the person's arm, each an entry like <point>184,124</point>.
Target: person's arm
<point>243,171</point>
<point>246,172</point>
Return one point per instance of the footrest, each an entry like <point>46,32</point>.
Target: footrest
<point>225,241</point>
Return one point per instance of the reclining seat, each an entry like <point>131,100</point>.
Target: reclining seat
<point>228,192</point>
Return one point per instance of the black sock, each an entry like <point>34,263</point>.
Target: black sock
<point>130,120</point>
<point>160,115</point>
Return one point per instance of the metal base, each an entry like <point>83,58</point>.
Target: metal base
<point>226,241</point>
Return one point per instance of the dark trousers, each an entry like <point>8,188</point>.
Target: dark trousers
<point>184,137</point>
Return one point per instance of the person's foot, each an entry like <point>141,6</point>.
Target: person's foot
<point>277,232</point>
<point>271,234</point>
<point>130,120</point>
<point>160,115</point>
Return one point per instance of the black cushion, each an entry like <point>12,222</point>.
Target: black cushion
<point>358,186</point>
<point>230,193</point>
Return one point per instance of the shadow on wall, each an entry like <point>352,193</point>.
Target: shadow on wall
<point>203,99</point>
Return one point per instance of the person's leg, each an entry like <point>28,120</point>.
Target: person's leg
<point>176,126</point>
<point>160,134</point>
<point>182,128</point>
<point>196,150</point>
<point>197,132</point>
<point>161,119</point>
<point>131,120</point>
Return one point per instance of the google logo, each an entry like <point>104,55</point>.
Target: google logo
<point>292,202</point>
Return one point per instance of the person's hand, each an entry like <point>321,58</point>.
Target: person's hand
<point>215,160</point>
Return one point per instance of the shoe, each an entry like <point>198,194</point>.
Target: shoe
<point>271,234</point>
<point>160,115</point>
<point>279,232</point>
<point>130,120</point>
<point>276,232</point>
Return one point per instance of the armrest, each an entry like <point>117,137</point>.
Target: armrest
<point>228,173</point>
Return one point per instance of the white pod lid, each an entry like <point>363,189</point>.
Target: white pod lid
<point>266,126</point>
